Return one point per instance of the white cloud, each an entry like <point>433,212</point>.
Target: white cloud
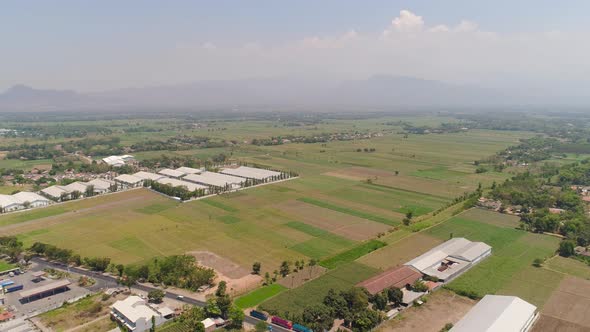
<point>209,46</point>
<point>466,26</point>
<point>407,21</point>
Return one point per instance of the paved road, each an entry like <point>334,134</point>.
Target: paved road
<point>107,281</point>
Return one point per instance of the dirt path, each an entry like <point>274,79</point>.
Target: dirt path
<point>87,323</point>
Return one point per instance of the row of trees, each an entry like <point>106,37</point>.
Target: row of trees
<point>181,192</point>
<point>67,256</point>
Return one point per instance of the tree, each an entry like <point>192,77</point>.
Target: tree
<point>408,219</point>
<point>256,268</point>
<point>128,281</point>
<point>211,308</point>
<point>566,248</point>
<point>153,327</point>
<point>318,317</point>
<point>221,289</point>
<point>261,326</point>
<point>156,296</point>
<point>120,268</point>
<point>236,317</point>
<point>267,279</point>
<point>419,286</point>
<point>380,300</point>
<point>285,269</point>
<point>538,262</point>
<point>312,263</point>
<point>395,295</point>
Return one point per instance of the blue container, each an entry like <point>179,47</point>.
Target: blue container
<point>259,315</point>
<point>301,328</point>
<point>13,288</point>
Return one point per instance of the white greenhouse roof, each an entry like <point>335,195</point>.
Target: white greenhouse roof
<point>171,172</point>
<point>189,170</point>
<point>7,200</point>
<point>128,178</point>
<point>54,191</point>
<point>496,313</point>
<point>25,196</point>
<point>459,248</point>
<point>75,186</point>
<point>179,183</point>
<point>214,179</point>
<point>100,184</point>
<point>134,308</point>
<point>148,176</point>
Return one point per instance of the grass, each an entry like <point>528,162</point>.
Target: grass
<point>229,219</point>
<point>259,295</point>
<point>5,266</point>
<point>348,211</point>
<point>18,217</point>
<point>322,244</point>
<point>78,313</point>
<point>219,205</point>
<point>568,266</point>
<point>174,326</point>
<point>314,291</point>
<point>352,254</point>
<point>156,208</point>
<point>437,173</point>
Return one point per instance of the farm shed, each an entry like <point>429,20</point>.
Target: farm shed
<point>9,203</point>
<point>215,180</point>
<point>179,183</point>
<point>189,170</point>
<point>45,290</point>
<point>172,173</point>
<point>126,181</point>
<point>397,277</point>
<point>76,186</point>
<point>497,313</point>
<point>250,172</point>
<point>55,192</point>
<point>148,176</point>
<point>118,161</point>
<point>450,259</point>
<point>101,186</point>
<point>35,200</point>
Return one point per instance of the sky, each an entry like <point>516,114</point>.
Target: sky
<point>110,44</point>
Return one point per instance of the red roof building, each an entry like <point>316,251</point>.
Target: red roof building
<point>397,277</point>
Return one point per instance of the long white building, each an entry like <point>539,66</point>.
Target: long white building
<point>148,176</point>
<point>497,313</point>
<point>250,172</point>
<point>213,179</point>
<point>22,200</point>
<point>179,183</point>
<point>450,259</point>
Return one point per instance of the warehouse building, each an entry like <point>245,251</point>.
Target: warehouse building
<point>44,291</point>
<point>172,173</point>
<point>450,259</point>
<point>136,314</point>
<point>180,183</point>
<point>213,179</point>
<point>251,173</point>
<point>498,313</point>
<point>101,186</point>
<point>189,170</point>
<point>148,176</point>
<point>9,203</point>
<point>56,193</point>
<point>34,200</point>
<point>118,161</point>
<point>126,181</point>
<point>78,186</point>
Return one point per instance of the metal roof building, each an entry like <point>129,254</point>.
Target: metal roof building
<point>148,176</point>
<point>215,179</point>
<point>448,260</point>
<point>117,161</point>
<point>45,290</point>
<point>189,170</point>
<point>55,192</point>
<point>9,203</point>
<point>34,199</point>
<point>128,179</point>
<point>497,313</point>
<point>101,185</point>
<point>397,277</point>
<point>250,172</point>
<point>171,173</point>
<point>179,183</point>
<point>75,186</point>
<point>136,314</point>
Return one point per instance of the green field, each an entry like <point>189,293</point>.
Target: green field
<point>346,210</point>
<point>509,269</point>
<point>259,295</point>
<point>5,266</point>
<point>313,292</point>
<point>568,266</point>
<point>352,254</point>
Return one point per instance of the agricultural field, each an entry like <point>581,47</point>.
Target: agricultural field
<point>568,266</point>
<point>566,309</point>
<point>255,297</point>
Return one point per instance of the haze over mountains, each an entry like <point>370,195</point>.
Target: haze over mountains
<point>376,91</point>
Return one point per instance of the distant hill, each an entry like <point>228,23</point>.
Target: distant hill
<point>377,91</point>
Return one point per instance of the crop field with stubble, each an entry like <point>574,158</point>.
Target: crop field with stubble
<point>342,199</point>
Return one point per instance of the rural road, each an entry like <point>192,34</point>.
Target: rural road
<point>111,282</point>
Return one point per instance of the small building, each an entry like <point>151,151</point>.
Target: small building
<point>56,193</point>
<point>33,200</point>
<point>172,173</point>
<point>126,181</point>
<point>498,313</point>
<point>213,179</point>
<point>148,176</point>
<point>398,277</point>
<point>189,170</point>
<point>250,173</point>
<point>450,259</point>
<point>118,161</point>
<point>209,324</point>
<point>8,203</point>
<point>410,296</point>
<point>136,314</point>
<point>180,183</point>
<point>101,186</point>
<point>40,292</point>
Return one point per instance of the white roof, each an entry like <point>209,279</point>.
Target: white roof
<point>135,308</point>
<point>148,176</point>
<point>128,178</point>
<point>457,247</point>
<point>214,179</point>
<point>179,183</point>
<point>75,186</point>
<point>250,172</point>
<point>208,322</point>
<point>117,160</point>
<point>7,200</point>
<point>25,196</point>
<point>189,170</point>
<point>54,191</point>
<point>496,313</point>
<point>100,183</point>
<point>171,172</point>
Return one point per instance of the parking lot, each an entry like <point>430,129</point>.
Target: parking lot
<point>13,300</point>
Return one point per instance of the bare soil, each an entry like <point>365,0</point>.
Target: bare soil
<point>300,277</point>
<point>568,308</point>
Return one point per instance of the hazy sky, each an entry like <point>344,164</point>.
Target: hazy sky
<point>98,45</point>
